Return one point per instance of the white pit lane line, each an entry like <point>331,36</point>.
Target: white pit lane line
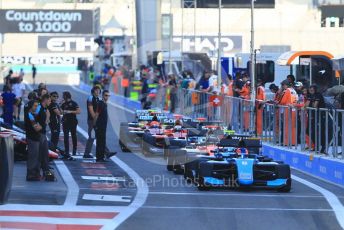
<point>124,212</point>
<point>331,198</point>
<point>142,187</point>
<point>140,198</point>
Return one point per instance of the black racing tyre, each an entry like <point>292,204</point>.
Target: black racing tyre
<point>188,173</point>
<point>144,148</point>
<point>205,169</point>
<point>285,188</point>
<point>283,172</point>
<point>201,185</point>
<point>169,165</point>
<point>165,153</point>
<point>177,169</point>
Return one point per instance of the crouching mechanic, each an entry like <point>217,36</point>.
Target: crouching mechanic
<point>100,128</point>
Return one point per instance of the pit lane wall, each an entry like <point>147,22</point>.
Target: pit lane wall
<point>328,169</point>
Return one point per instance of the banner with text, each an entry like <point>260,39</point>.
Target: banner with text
<point>47,21</point>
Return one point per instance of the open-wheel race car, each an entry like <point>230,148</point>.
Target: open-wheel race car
<point>176,133</point>
<point>20,143</point>
<point>130,134</point>
<point>200,142</point>
<point>238,163</point>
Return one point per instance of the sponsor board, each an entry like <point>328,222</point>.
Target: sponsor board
<point>209,44</point>
<point>328,169</point>
<point>47,21</point>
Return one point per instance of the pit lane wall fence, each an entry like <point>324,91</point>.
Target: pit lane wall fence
<point>294,135</point>
<point>306,138</point>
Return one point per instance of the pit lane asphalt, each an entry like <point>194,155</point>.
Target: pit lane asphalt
<point>173,204</point>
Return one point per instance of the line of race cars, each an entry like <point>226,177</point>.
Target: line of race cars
<point>204,152</point>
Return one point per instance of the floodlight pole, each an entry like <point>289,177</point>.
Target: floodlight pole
<point>170,41</point>
<point>253,72</point>
<point>219,66</point>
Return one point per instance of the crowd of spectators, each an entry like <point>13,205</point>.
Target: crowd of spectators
<point>292,93</point>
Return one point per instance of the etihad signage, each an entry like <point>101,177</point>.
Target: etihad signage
<point>39,60</point>
<point>209,44</point>
<point>234,4</point>
<point>47,21</point>
<point>75,44</point>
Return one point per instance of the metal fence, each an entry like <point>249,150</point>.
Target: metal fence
<point>304,129</point>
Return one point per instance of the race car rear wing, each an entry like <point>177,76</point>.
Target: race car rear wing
<point>196,132</point>
<point>248,143</point>
<point>150,118</point>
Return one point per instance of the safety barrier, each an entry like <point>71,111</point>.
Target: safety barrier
<point>6,167</point>
<point>302,129</point>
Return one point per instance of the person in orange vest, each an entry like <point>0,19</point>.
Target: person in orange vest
<point>289,98</point>
<point>245,93</point>
<point>260,99</point>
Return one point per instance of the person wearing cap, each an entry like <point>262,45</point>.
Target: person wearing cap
<point>245,93</point>
<point>260,99</point>
<point>289,98</point>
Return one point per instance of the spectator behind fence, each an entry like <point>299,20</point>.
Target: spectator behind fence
<point>260,97</point>
<point>34,72</point>
<point>7,79</point>
<point>317,101</point>
<point>173,87</point>
<point>8,99</point>
<point>203,83</point>
<point>144,90</point>
<point>288,98</point>
<point>291,80</point>
<point>213,83</point>
<point>19,90</point>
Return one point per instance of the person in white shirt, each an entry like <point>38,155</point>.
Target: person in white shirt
<point>19,90</point>
<point>213,84</point>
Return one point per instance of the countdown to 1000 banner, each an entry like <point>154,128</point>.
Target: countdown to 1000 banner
<point>45,27</point>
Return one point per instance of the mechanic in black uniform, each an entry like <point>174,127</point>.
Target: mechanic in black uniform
<point>69,122</point>
<point>92,104</point>
<point>100,127</point>
<point>55,121</point>
<point>32,128</point>
<point>43,119</point>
